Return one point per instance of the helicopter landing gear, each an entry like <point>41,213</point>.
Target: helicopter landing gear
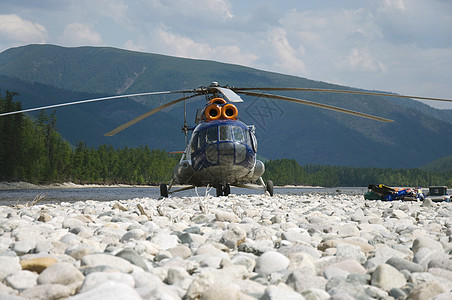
<point>223,190</point>
<point>164,190</point>
<point>269,187</point>
<point>226,190</point>
<point>219,189</point>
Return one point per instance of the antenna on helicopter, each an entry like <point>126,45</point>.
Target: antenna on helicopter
<point>185,128</point>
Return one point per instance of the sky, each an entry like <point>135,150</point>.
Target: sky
<point>402,46</point>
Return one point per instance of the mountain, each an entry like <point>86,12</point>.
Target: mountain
<point>47,74</point>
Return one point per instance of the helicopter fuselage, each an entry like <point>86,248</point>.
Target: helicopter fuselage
<point>220,152</point>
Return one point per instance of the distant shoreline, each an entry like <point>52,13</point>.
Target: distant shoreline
<point>21,185</point>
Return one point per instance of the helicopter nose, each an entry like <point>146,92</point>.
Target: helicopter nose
<point>226,153</point>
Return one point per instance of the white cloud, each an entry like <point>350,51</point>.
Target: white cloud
<point>285,56</point>
<point>194,18</point>
<point>162,40</point>
<point>394,5</point>
<point>116,10</point>
<point>219,8</point>
<point>427,24</point>
<point>76,34</point>
<point>362,60</point>
<point>179,45</point>
<point>332,43</point>
<point>98,11</point>
<point>233,54</point>
<point>134,45</point>
<point>200,9</point>
<point>16,29</point>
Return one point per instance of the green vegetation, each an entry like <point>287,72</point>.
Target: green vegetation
<point>128,165</point>
<point>30,150</point>
<point>289,172</point>
<point>441,164</point>
<point>33,151</point>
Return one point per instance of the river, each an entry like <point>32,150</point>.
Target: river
<point>23,196</point>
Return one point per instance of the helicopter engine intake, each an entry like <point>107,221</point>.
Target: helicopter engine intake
<point>219,109</point>
<point>213,112</point>
<point>229,111</point>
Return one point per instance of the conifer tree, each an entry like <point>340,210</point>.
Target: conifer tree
<point>11,143</point>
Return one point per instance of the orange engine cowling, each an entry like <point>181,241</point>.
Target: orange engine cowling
<point>219,108</point>
<point>229,111</point>
<point>212,112</point>
<point>219,101</point>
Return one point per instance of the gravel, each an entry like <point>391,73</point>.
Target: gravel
<point>315,246</point>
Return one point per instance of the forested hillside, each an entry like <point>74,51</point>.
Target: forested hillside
<point>289,172</point>
<point>46,74</point>
<point>33,151</point>
<point>439,165</point>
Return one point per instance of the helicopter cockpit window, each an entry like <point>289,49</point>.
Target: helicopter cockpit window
<point>248,137</point>
<point>225,133</point>
<point>221,133</point>
<point>254,140</point>
<point>237,132</point>
<point>201,139</point>
<point>212,135</point>
<point>194,142</point>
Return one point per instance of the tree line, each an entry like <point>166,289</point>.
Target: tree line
<point>32,150</point>
<point>290,172</point>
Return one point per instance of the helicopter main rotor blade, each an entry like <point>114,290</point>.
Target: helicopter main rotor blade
<point>239,90</point>
<point>315,104</point>
<point>145,115</point>
<point>92,100</point>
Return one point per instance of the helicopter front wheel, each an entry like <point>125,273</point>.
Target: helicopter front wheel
<point>226,190</point>
<point>223,190</point>
<point>219,189</point>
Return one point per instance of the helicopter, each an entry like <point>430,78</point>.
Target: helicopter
<point>222,150</point>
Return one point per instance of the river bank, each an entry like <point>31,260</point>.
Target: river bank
<point>21,185</point>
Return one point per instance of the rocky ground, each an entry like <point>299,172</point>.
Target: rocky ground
<point>236,247</point>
